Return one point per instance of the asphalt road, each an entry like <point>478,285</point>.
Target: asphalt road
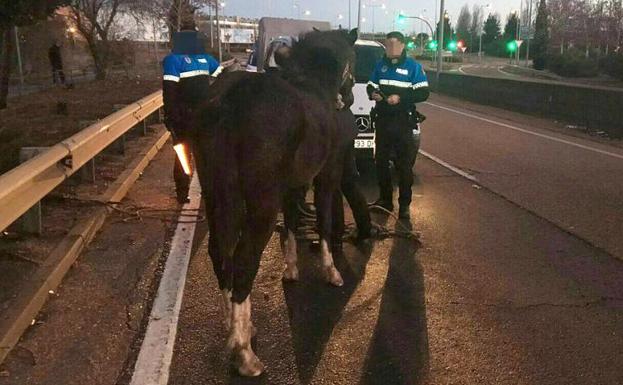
<point>516,279</point>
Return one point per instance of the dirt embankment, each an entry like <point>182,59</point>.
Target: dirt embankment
<point>34,120</point>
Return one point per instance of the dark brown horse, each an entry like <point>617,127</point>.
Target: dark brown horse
<point>262,135</point>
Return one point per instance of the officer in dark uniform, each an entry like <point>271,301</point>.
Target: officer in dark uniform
<point>188,70</point>
<point>397,83</point>
<point>349,185</point>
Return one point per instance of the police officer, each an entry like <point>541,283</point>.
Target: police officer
<point>397,83</point>
<point>188,70</point>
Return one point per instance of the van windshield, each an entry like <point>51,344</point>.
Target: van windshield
<point>367,57</point>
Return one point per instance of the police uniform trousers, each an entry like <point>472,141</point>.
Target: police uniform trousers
<point>349,186</point>
<point>394,140</point>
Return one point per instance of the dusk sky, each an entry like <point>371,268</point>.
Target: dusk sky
<point>329,10</point>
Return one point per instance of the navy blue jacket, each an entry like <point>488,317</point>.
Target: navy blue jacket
<point>404,77</point>
<point>185,84</point>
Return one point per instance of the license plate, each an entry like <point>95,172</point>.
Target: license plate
<point>364,143</point>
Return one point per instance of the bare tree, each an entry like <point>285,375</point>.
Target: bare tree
<point>94,20</point>
<point>176,14</point>
<point>463,23</point>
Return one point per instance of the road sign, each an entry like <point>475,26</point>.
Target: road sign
<point>519,42</point>
<point>463,49</point>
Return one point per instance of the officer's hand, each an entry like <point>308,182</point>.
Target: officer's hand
<point>376,97</point>
<point>393,100</point>
<point>339,104</point>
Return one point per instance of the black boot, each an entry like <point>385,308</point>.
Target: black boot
<point>182,197</point>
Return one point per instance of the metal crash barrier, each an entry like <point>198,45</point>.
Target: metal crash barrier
<point>24,186</point>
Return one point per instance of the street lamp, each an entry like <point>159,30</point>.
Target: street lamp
<point>382,6</point>
<point>488,6</point>
<point>402,18</point>
<point>442,22</point>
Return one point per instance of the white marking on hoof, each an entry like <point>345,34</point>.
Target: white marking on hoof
<point>239,341</point>
<point>226,308</point>
<point>291,272</point>
<point>331,274</point>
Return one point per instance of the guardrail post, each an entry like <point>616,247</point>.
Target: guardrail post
<point>119,144</point>
<point>87,172</point>
<point>31,222</point>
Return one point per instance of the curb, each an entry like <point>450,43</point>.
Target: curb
<point>33,296</point>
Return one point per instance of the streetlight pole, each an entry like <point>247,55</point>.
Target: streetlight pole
<point>359,19</point>
<point>440,45</point>
<point>218,34</point>
<point>518,32</point>
<point>350,24</point>
<point>211,26</point>
<point>382,6</point>
<point>19,59</point>
<point>481,32</point>
<point>529,33</point>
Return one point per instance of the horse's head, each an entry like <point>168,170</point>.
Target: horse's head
<point>324,60</point>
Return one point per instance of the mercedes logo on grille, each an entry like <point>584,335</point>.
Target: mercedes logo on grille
<point>363,123</point>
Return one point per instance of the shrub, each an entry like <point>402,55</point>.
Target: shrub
<point>573,64</point>
<point>613,65</point>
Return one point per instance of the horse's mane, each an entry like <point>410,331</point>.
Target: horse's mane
<point>318,60</point>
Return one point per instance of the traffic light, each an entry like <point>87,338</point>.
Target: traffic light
<point>411,45</point>
<point>401,18</point>
<point>433,45</point>
<point>511,46</point>
<point>452,45</point>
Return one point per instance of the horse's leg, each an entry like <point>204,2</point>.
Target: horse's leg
<point>325,186</point>
<point>223,274</point>
<point>288,238</point>
<point>261,214</point>
<point>222,268</point>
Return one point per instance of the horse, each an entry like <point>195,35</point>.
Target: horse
<point>259,137</point>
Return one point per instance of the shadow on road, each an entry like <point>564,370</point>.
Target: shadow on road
<point>399,350</point>
<point>315,307</point>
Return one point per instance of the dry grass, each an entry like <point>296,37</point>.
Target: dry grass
<point>31,120</point>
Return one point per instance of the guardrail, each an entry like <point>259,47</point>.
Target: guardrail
<point>25,185</point>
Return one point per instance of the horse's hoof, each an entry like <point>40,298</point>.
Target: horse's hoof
<point>247,363</point>
<point>333,276</point>
<point>291,274</point>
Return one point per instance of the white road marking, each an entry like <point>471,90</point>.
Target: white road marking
<point>154,360</point>
<point>450,167</point>
<point>525,131</point>
<point>500,70</point>
<point>461,69</point>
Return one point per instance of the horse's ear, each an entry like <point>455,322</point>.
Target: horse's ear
<point>352,36</point>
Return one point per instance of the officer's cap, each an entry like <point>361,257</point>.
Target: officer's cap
<point>396,35</point>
